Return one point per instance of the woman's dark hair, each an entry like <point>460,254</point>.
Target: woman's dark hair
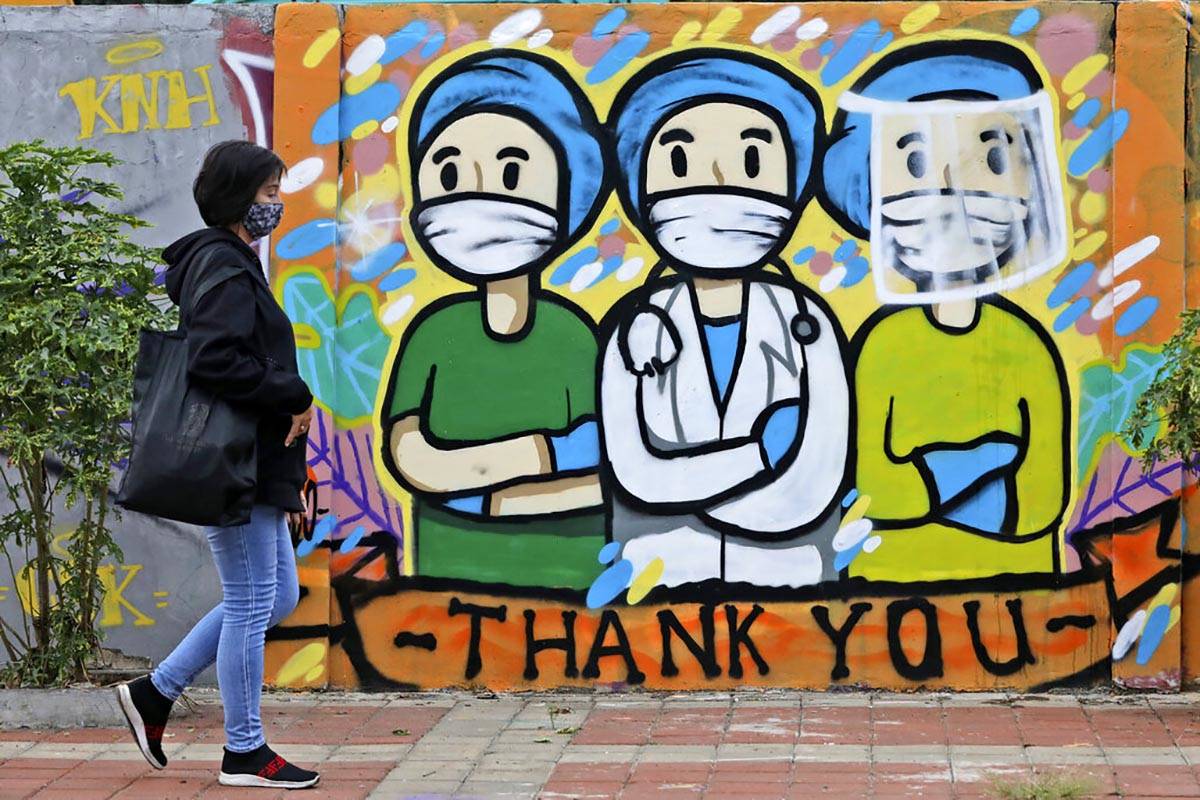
<point>230,177</point>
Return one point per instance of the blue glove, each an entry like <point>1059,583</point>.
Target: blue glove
<point>471,504</point>
<point>577,449</point>
<point>779,433</point>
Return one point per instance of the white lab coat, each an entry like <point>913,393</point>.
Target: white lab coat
<point>672,450</point>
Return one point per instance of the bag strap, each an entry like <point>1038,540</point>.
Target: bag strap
<point>203,278</point>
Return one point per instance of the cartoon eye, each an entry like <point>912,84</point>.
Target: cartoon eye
<point>512,174</point>
<point>997,160</point>
<point>916,164</point>
<point>449,177</point>
<point>752,162</point>
<point>678,161</point>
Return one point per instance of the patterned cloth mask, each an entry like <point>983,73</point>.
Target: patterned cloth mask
<point>262,218</point>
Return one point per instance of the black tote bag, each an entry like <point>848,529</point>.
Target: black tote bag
<point>193,458</point>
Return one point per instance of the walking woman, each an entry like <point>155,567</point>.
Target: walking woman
<point>241,347</point>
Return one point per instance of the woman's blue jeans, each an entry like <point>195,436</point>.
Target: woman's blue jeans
<point>257,567</point>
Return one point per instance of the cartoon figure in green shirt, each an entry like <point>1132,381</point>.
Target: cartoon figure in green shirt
<point>945,154</point>
<point>489,418</point>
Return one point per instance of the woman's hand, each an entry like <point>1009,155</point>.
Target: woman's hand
<point>300,423</point>
<point>295,519</point>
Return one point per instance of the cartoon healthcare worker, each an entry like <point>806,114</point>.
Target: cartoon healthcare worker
<point>945,155</point>
<point>489,415</point>
<point>724,396</point>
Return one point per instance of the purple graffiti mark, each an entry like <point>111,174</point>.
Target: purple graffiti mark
<point>349,487</point>
<point>1123,492</point>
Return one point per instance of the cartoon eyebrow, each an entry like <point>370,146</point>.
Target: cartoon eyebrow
<point>908,138</point>
<point>676,135</point>
<point>757,133</point>
<point>444,153</point>
<point>512,152</point>
<point>995,133</point>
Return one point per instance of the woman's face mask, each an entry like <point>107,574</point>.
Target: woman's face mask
<point>262,218</point>
<point>487,236</point>
<point>717,230</point>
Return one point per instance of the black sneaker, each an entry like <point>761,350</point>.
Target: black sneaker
<point>262,767</point>
<point>146,711</point>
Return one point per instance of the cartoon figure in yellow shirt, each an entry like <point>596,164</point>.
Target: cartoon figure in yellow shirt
<point>944,153</point>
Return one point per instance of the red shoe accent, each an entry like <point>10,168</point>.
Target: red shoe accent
<point>154,733</point>
<point>274,765</point>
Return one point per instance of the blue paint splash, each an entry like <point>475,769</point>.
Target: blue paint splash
<point>1024,22</point>
<point>320,533</point>
<point>1071,313</point>
<point>1086,112</point>
<point>611,583</point>
<point>845,250</point>
<point>433,45</point>
<point>608,23</point>
<point>844,557</point>
<point>1152,633</point>
<point>404,40</point>
<point>339,120</point>
<point>379,262</point>
<point>1136,316</point>
<point>566,270</point>
<point>311,237</point>
<point>1072,283</point>
<point>1098,145</point>
<point>620,54</point>
<point>855,49</point>
<point>856,269</point>
<point>609,552</point>
<point>850,497</point>
<point>610,227</point>
<point>804,255</point>
<point>397,279</point>
<point>351,541</point>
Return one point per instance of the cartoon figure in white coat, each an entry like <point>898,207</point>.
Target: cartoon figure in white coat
<point>724,395</point>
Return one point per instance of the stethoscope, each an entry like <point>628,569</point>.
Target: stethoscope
<point>805,329</point>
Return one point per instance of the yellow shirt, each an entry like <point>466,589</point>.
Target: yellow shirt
<point>923,388</point>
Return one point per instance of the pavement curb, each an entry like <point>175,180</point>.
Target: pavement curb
<point>82,707</point>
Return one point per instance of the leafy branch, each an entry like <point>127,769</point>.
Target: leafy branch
<point>1164,422</point>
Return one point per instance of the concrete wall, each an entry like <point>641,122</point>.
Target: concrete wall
<point>951,506</point>
<point>156,86</point>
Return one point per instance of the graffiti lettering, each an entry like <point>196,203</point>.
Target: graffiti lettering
<point>839,636</point>
<point>477,614</point>
<point>533,646</point>
<point>706,655</point>
<point>610,619</point>
<point>930,665</point>
<point>114,599</point>
<point>139,101</point>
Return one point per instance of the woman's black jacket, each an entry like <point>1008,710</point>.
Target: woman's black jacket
<point>241,346</point>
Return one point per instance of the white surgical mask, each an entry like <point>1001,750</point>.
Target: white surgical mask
<point>955,232</point>
<point>487,237</point>
<point>718,230</point>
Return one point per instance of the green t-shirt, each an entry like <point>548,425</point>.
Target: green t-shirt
<point>479,389</point>
<point>476,389</point>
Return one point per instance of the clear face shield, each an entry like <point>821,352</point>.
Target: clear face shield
<point>966,196</point>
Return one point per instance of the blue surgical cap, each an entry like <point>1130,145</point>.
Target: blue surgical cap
<point>539,92</point>
<point>974,69</point>
<point>671,84</point>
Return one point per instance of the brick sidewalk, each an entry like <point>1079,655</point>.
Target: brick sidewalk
<point>745,745</point>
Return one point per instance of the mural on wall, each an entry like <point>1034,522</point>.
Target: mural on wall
<point>689,345</point>
<point>707,345</point>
